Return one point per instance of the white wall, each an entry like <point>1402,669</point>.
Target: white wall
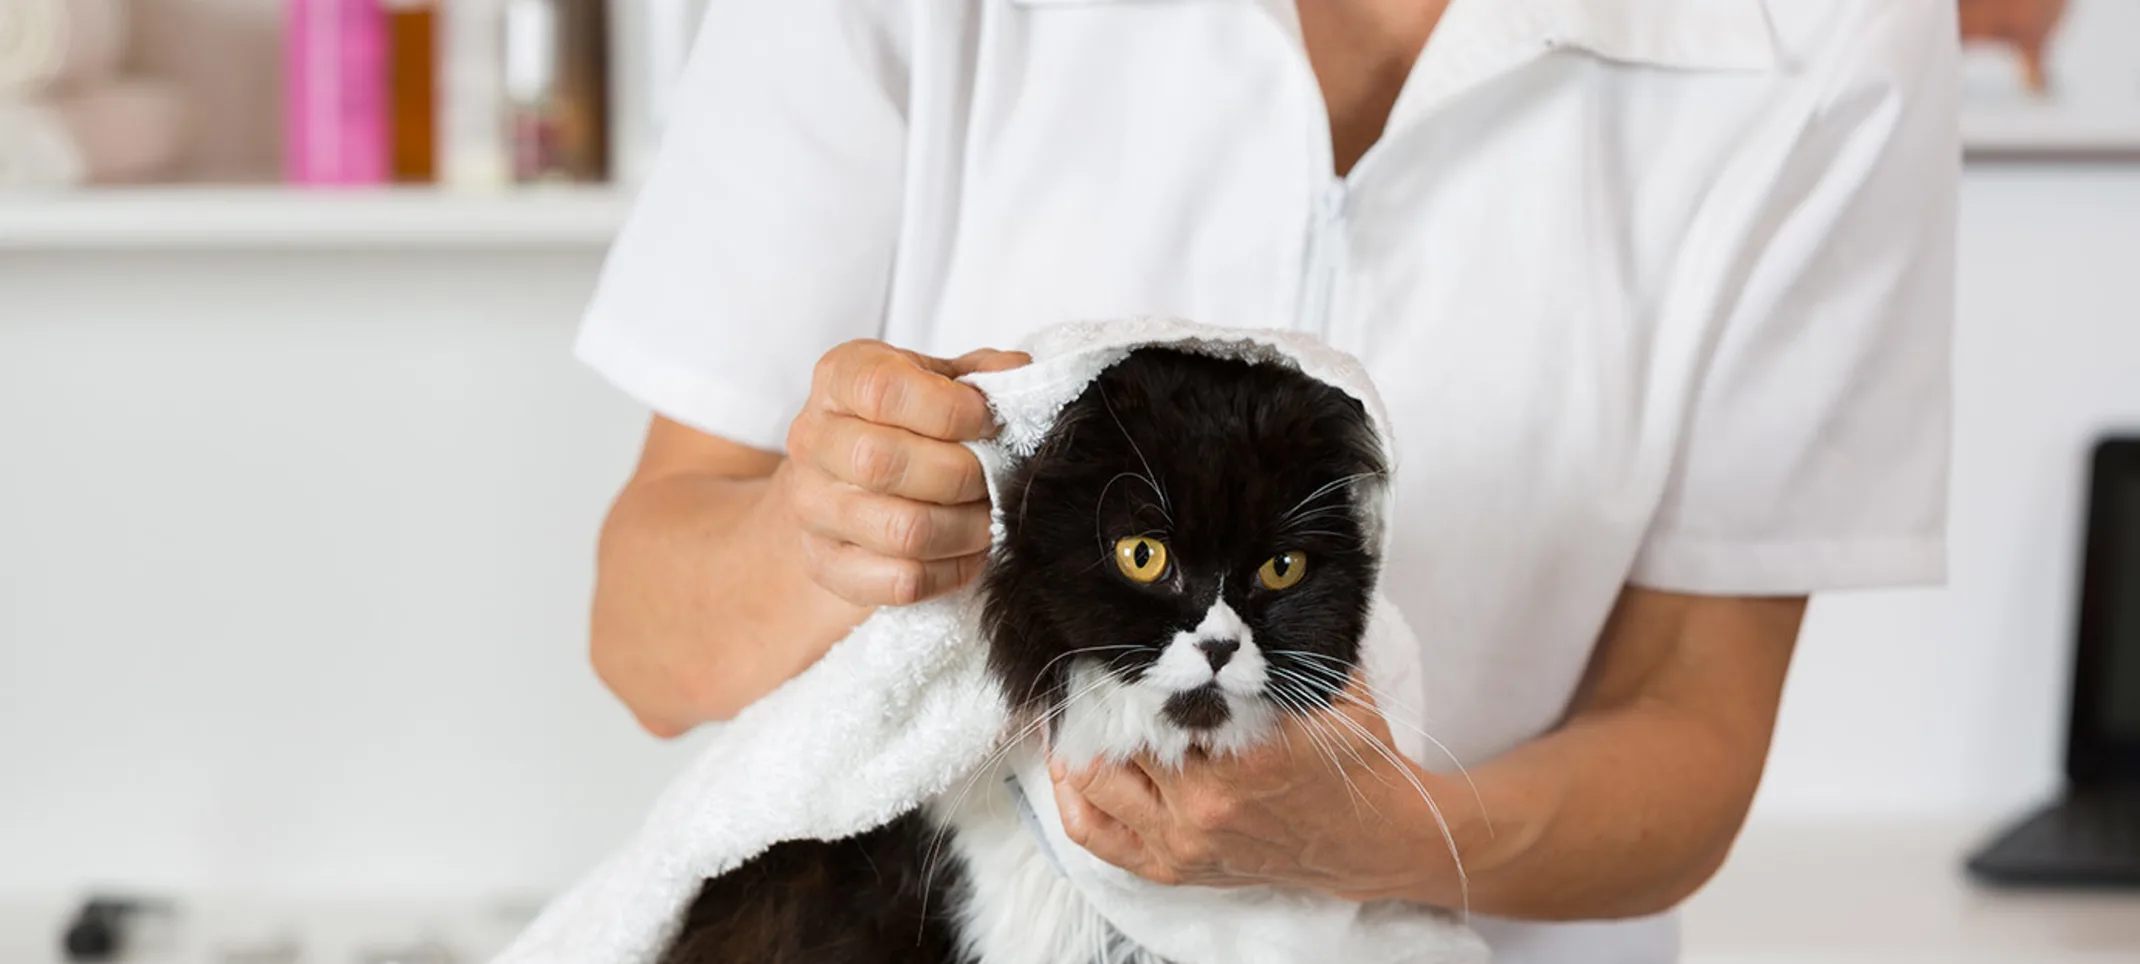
<point>1953,700</point>
<point>294,557</point>
<point>294,553</point>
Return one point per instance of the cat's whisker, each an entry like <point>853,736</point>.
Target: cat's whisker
<point>1320,737</point>
<point>1166,505</point>
<point>1376,707</point>
<point>1042,675</point>
<point>1339,511</point>
<point>1461,770</point>
<point>1025,495</point>
<point>1463,880</point>
<point>1340,683</point>
<point>1336,679</point>
<point>1327,533</point>
<point>1327,488</point>
<point>1342,674</point>
<point>1314,715</point>
<point>1100,505</point>
<point>935,851</point>
<point>931,859</point>
<point>1392,758</point>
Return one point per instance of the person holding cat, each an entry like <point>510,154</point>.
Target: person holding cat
<point>1658,293</point>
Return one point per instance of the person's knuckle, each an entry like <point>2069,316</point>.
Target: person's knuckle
<point>955,416</point>
<point>834,364</point>
<point>879,464</point>
<point>907,582</point>
<point>907,529</point>
<point>879,388</point>
<point>1213,812</point>
<point>966,476</point>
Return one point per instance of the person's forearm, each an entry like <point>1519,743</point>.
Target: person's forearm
<point>1632,803</point>
<point>709,567</point>
<point>1618,815</point>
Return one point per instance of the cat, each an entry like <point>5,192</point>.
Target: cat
<point>1188,556</point>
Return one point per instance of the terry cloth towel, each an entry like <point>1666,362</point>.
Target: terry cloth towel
<point>54,43</point>
<point>109,133</point>
<point>903,709</point>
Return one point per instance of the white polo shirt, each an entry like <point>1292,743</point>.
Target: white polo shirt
<point>1657,291</point>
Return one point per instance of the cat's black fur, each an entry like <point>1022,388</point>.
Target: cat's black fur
<point>854,901</point>
<point>1215,455</point>
<point>1230,463</point>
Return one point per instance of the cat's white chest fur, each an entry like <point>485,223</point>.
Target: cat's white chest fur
<point>1016,908</point>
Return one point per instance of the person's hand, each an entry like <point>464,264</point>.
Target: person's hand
<point>892,509</point>
<point>1328,805</point>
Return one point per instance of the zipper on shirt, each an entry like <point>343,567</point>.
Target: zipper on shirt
<point>1325,258</point>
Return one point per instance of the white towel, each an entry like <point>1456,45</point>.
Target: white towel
<point>902,708</point>
<point>54,43</point>
<point>109,133</point>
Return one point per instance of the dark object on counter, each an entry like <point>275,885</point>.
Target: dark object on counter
<point>101,929</point>
<point>2091,836</point>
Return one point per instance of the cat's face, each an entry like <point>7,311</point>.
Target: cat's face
<point>1186,557</point>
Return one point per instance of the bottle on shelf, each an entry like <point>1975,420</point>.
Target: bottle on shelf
<point>556,90</point>
<point>336,111</point>
<point>412,85</point>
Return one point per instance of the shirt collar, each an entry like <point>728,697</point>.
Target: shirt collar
<point>1679,34</point>
<point>1729,35</point>
<point>1478,40</point>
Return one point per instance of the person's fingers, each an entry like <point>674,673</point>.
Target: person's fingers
<point>881,384</point>
<point>1122,791</point>
<point>892,461</point>
<point>1198,794</point>
<point>894,527</point>
<point>865,578</point>
<point>1166,781</point>
<point>1101,834</point>
<point>989,360</point>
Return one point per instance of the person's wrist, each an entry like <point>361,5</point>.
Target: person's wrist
<point>1455,849</point>
<point>1435,838</point>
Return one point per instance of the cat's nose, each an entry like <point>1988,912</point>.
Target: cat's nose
<point>1218,651</point>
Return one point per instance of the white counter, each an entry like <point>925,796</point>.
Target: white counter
<point>1790,895</point>
<point>1892,894</point>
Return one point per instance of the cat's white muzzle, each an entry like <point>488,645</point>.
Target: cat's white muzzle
<point>1109,718</point>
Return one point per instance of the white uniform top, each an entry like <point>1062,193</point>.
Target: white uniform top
<point>1657,291</point>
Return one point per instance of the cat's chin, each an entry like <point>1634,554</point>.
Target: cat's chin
<point>1200,710</point>
<point>1115,720</point>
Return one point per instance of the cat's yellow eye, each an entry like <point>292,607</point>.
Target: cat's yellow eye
<point>1142,558</point>
<point>1283,570</point>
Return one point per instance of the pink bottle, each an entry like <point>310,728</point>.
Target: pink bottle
<point>337,106</point>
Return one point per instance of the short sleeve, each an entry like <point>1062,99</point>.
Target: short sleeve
<point>765,234</point>
<point>1816,454</point>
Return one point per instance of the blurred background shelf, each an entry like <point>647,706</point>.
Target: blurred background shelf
<point>270,218</point>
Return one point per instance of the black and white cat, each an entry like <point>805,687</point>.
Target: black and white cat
<point>1188,556</point>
